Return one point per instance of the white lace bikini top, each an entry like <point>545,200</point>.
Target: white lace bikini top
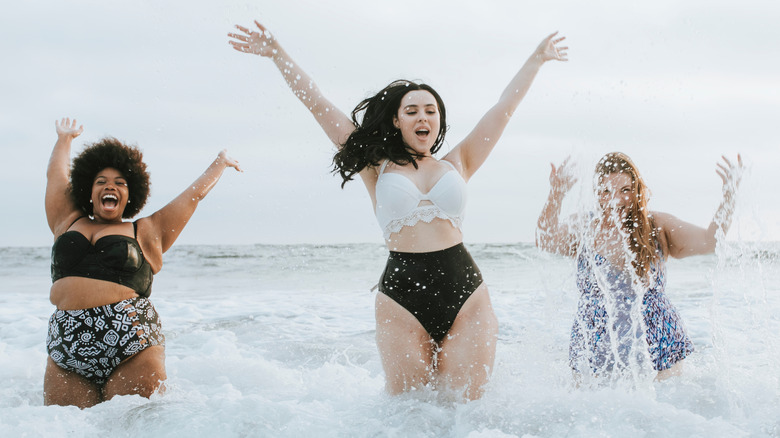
<point>398,200</point>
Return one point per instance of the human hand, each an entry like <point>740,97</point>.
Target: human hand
<point>730,174</point>
<point>548,49</point>
<point>228,161</point>
<point>561,178</point>
<point>67,128</point>
<point>258,43</point>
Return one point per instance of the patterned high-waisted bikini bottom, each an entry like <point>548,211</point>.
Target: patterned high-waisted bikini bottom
<point>93,342</point>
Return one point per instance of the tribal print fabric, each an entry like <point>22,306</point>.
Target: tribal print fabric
<point>93,342</point>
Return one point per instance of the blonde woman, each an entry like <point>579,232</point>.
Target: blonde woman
<point>621,252</point>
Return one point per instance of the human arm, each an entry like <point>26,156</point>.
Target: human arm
<point>475,148</point>
<point>60,209</point>
<point>552,235</point>
<point>163,227</point>
<point>335,123</point>
<point>685,239</point>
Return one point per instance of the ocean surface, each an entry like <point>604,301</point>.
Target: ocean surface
<point>278,341</point>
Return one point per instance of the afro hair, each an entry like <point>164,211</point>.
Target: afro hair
<point>110,152</point>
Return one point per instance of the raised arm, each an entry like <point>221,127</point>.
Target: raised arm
<point>60,209</point>
<point>552,235</point>
<point>161,229</point>
<point>335,123</point>
<point>476,147</point>
<point>685,239</point>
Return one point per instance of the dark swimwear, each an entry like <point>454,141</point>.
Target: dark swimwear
<point>113,258</point>
<point>93,342</point>
<point>432,286</point>
<point>665,336</point>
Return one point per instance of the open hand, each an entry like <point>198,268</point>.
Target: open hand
<point>67,128</point>
<point>730,174</point>
<point>561,178</point>
<point>259,43</point>
<point>229,162</point>
<point>548,49</point>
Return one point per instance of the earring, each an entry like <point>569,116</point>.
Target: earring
<point>90,201</point>
<point>128,201</point>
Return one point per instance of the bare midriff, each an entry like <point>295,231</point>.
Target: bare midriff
<point>425,237</point>
<point>72,293</point>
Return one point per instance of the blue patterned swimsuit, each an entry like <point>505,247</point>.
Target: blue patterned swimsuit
<point>667,340</point>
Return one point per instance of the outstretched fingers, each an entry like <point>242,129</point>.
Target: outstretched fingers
<point>242,43</point>
<point>549,49</point>
<point>561,178</point>
<point>728,172</point>
<point>229,161</point>
<point>722,172</point>
<point>243,38</point>
<point>66,126</point>
<point>256,41</point>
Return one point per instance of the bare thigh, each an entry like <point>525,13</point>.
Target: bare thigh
<point>406,349</point>
<point>468,352</point>
<point>142,374</point>
<point>66,388</point>
<point>675,370</point>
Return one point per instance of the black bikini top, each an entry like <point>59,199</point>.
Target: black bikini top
<point>113,258</point>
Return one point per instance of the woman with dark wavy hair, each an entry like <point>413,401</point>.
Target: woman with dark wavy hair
<point>434,320</point>
<point>105,337</point>
<point>621,253</point>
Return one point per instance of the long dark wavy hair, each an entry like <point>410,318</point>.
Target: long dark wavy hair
<point>639,225</point>
<point>110,152</point>
<point>376,138</point>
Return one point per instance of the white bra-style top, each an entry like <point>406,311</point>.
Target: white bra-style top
<point>398,200</point>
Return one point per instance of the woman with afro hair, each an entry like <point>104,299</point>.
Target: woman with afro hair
<point>105,336</point>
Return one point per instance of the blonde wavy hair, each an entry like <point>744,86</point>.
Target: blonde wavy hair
<point>639,225</point>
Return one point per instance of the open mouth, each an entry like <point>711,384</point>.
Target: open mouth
<point>422,132</point>
<point>109,201</point>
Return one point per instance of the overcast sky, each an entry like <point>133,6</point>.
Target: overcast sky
<point>673,84</point>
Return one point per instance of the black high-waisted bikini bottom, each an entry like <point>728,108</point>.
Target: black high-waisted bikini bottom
<point>432,286</point>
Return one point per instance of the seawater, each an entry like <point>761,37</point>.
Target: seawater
<point>278,341</point>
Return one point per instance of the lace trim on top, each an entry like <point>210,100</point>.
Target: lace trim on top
<point>425,213</point>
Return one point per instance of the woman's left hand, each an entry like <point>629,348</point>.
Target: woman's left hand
<point>67,128</point>
<point>730,174</point>
<point>548,49</point>
<point>258,43</point>
<point>229,162</point>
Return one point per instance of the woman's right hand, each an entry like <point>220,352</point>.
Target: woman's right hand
<point>67,128</point>
<point>561,178</point>
<point>548,49</point>
<point>258,43</point>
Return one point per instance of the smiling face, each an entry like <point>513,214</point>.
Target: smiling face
<point>109,195</point>
<point>616,194</point>
<point>419,120</point>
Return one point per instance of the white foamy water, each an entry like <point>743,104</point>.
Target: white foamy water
<point>279,341</point>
